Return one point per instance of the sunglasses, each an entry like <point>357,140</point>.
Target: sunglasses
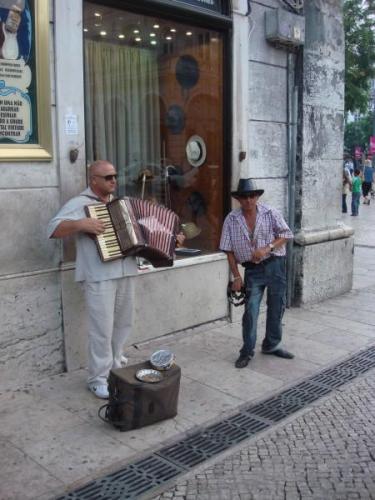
<point>109,177</point>
<point>250,195</point>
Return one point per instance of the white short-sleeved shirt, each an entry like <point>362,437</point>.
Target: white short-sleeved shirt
<point>89,267</point>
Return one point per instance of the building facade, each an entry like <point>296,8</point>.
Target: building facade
<point>184,97</point>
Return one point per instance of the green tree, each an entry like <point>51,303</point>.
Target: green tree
<point>359,25</point>
<point>357,133</point>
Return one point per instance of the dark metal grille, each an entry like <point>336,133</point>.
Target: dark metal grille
<point>367,353</point>
<point>189,452</point>
<point>213,440</point>
<point>333,378</point>
<point>248,422</point>
<point>280,406</point>
<point>311,392</point>
<point>346,371</point>
<point>128,483</point>
<point>165,464</point>
<point>203,445</point>
<point>359,364</point>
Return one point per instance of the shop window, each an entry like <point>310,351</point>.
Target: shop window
<point>154,108</point>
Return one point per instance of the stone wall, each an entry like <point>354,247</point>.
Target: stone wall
<point>263,70</point>
<point>37,291</point>
<point>31,339</point>
<point>318,270</point>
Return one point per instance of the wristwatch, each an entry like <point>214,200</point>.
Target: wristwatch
<point>272,247</point>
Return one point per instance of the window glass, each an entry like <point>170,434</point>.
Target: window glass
<point>154,106</point>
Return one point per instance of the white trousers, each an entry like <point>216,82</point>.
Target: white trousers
<point>109,306</point>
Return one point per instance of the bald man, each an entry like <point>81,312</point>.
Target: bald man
<point>108,288</point>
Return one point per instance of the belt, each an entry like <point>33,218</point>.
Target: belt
<point>265,262</point>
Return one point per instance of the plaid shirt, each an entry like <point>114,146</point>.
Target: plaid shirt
<point>269,225</point>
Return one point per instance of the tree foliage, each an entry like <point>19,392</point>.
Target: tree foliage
<point>357,133</point>
<point>359,25</point>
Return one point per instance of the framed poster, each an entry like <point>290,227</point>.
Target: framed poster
<point>25,110</point>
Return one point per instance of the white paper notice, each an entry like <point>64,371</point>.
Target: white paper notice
<point>71,124</point>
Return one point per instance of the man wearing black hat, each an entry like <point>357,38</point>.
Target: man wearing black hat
<point>255,236</point>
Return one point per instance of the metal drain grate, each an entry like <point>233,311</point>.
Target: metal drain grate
<point>311,392</point>
<point>286,403</point>
<point>128,483</point>
<point>248,422</point>
<point>213,440</point>
<point>333,378</point>
<point>368,353</point>
<point>167,463</point>
<point>196,449</point>
<point>346,370</point>
<point>359,364</point>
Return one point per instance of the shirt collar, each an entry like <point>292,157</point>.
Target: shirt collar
<point>238,215</point>
<point>261,210</point>
<point>90,193</point>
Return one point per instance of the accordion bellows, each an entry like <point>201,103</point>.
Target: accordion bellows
<point>136,227</point>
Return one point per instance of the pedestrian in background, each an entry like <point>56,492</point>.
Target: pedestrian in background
<point>349,164</point>
<point>346,187</point>
<point>368,173</point>
<point>356,191</point>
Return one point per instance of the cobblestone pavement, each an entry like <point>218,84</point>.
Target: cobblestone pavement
<point>325,453</point>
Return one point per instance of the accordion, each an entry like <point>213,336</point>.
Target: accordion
<point>136,227</point>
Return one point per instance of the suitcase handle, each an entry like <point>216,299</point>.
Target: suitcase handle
<point>107,407</point>
<point>100,411</point>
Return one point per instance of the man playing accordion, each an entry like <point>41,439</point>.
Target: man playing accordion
<point>108,287</point>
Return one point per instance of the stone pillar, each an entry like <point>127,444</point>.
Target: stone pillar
<point>240,84</point>
<point>72,172</point>
<point>323,245</point>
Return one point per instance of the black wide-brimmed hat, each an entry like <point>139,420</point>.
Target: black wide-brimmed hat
<point>247,186</point>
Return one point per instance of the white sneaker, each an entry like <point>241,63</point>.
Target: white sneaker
<point>100,391</point>
<point>124,360</point>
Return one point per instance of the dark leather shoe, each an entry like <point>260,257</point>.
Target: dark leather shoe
<point>242,361</point>
<point>280,353</point>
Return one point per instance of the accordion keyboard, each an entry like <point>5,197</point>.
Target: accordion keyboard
<point>107,242</point>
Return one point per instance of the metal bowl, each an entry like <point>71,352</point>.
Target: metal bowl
<point>149,375</point>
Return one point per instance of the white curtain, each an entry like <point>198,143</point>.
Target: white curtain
<point>122,109</point>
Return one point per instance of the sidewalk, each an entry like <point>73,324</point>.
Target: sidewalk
<point>53,441</point>
<point>324,451</point>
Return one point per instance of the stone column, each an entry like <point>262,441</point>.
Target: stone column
<point>323,245</point>
<point>240,81</point>
<point>72,172</point>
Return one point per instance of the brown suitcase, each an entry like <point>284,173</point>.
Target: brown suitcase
<point>133,404</point>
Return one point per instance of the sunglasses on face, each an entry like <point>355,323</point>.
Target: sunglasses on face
<point>245,196</point>
<point>109,177</point>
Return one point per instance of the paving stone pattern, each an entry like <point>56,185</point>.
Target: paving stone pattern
<point>325,453</point>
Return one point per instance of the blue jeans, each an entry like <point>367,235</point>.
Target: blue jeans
<point>271,274</point>
<point>344,205</point>
<point>355,203</point>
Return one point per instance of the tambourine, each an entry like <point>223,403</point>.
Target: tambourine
<point>236,298</point>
